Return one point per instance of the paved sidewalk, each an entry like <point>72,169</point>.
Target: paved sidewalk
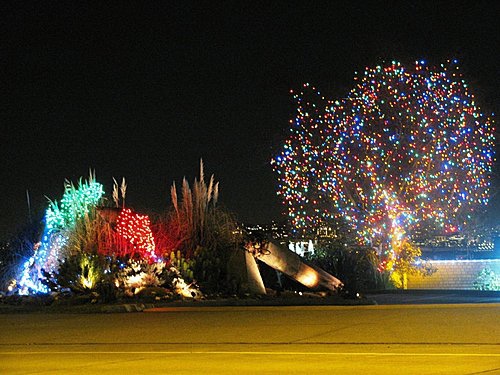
<point>412,297</point>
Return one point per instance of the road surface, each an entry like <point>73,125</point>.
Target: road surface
<point>412,339</point>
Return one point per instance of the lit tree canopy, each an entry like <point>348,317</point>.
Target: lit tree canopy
<point>408,149</point>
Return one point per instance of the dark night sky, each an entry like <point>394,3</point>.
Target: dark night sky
<point>146,91</point>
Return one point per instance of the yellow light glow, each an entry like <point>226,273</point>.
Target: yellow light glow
<point>87,283</point>
<point>308,278</point>
<point>90,274</point>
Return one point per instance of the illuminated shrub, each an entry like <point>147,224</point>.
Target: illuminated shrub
<point>135,236</point>
<point>487,279</point>
<point>183,265</point>
<point>136,275</point>
<point>60,220</point>
<point>79,273</point>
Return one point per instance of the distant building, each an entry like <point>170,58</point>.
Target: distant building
<point>301,247</point>
<point>483,245</point>
<point>480,244</point>
<point>280,232</point>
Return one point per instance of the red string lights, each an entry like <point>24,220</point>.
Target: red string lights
<point>135,229</point>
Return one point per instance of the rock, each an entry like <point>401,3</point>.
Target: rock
<point>152,293</point>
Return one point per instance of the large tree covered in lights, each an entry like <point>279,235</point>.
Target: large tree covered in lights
<point>408,150</point>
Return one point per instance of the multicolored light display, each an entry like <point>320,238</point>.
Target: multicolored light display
<point>119,235</point>
<point>75,203</point>
<point>407,150</point>
<point>133,235</point>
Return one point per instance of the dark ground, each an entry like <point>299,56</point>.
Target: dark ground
<point>393,297</point>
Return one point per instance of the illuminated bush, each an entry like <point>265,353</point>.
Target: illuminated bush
<point>60,219</point>
<point>487,279</point>
<point>136,275</point>
<point>183,265</point>
<point>79,273</point>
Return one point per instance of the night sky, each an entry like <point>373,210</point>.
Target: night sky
<point>144,90</point>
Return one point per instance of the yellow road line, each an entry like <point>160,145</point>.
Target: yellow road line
<point>380,354</point>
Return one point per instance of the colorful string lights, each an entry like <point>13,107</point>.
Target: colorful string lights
<point>407,151</point>
<point>75,203</point>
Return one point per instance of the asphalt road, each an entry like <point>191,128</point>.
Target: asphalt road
<point>411,339</point>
